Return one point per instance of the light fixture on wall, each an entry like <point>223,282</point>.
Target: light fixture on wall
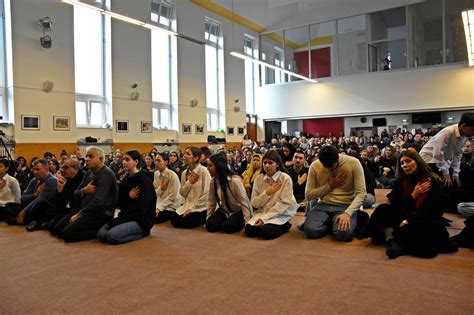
<point>468,21</point>
<point>130,20</point>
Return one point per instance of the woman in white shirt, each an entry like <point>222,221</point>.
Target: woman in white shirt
<point>195,183</point>
<point>273,200</point>
<point>9,188</point>
<point>229,207</point>
<point>167,187</point>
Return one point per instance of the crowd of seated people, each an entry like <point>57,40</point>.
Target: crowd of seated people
<point>256,190</point>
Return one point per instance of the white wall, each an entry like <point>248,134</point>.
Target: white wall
<point>443,87</point>
<point>131,63</point>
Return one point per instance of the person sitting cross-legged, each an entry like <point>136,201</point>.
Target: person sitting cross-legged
<point>411,223</point>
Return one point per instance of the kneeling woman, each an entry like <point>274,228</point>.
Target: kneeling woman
<point>411,224</point>
<point>194,190</point>
<point>228,195</point>
<point>272,196</point>
<point>136,201</point>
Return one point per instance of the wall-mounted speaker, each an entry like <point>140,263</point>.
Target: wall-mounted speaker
<point>134,95</point>
<point>48,86</point>
<point>194,102</point>
<point>236,108</point>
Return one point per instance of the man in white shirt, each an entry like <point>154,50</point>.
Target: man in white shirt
<point>444,150</point>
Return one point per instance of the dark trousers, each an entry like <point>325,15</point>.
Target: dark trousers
<point>450,196</point>
<point>218,221</point>
<point>384,216</point>
<point>42,210</point>
<point>83,229</point>
<point>3,214</point>
<point>267,231</point>
<point>191,221</point>
<point>11,212</point>
<point>420,237</point>
<point>163,216</point>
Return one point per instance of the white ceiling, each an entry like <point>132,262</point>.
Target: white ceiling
<point>279,14</point>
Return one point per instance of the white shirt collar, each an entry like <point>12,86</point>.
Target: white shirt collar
<point>274,177</point>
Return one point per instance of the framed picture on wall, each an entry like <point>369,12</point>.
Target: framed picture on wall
<point>61,123</point>
<point>121,125</point>
<point>230,130</point>
<point>30,122</point>
<point>187,128</point>
<point>199,129</point>
<point>146,126</point>
<point>240,131</point>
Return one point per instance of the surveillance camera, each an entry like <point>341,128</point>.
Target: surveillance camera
<point>46,23</point>
<point>46,41</point>
<point>236,100</point>
<point>134,85</point>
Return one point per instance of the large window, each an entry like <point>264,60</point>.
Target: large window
<point>279,62</point>
<point>90,51</point>
<point>163,62</point>
<point>3,66</point>
<point>214,76</point>
<point>251,73</point>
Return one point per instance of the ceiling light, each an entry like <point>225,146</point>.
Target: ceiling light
<point>468,21</point>
<point>130,20</point>
<point>268,65</point>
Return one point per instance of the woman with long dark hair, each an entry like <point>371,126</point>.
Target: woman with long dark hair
<point>411,223</point>
<point>136,201</point>
<point>272,197</point>
<point>228,206</point>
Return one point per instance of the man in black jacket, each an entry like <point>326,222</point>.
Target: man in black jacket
<point>69,178</point>
<point>98,197</point>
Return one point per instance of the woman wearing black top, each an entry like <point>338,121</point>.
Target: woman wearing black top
<point>411,224</point>
<point>136,200</point>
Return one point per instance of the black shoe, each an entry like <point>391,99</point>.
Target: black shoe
<point>11,221</point>
<point>393,249</point>
<point>34,226</point>
<point>450,246</point>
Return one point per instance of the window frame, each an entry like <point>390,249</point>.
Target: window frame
<point>163,10</point>
<point>213,38</point>
<point>92,98</point>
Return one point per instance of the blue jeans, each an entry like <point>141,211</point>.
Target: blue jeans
<point>119,234</point>
<point>319,217</point>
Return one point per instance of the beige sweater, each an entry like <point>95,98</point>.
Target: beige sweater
<point>351,193</point>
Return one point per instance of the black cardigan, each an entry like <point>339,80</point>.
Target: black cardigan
<point>140,210</point>
<point>429,210</point>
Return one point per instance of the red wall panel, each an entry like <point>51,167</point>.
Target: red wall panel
<point>320,62</point>
<point>324,126</point>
